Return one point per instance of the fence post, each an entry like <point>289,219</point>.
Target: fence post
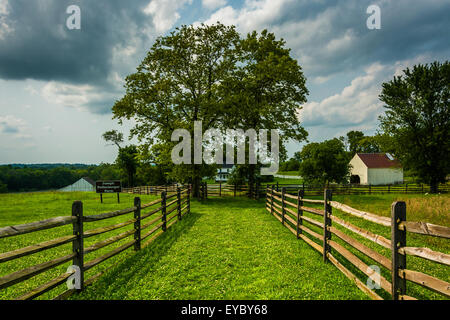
<point>271,199</point>
<point>370,190</point>
<point>277,187</point>
<point>220,188</point>
<point>137,224</point>
<point>258,185</point>
<point>179,202</point>
<point>299,212</point>
<point>188,210</point>
<point>398,240</point>
<point>163,211</point>
<point>283,204</point>
<point>78,244</point>
<point>206,190</point>
<point>203,191</point>
<point>235,188</point>
<point>326,223</point>
<point>406,190</point>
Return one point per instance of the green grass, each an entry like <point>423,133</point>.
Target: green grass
<point>29,207</point>
<point>288,173</point>
<point>225,249</point>
<point>427,208</point>
<point>285,181</point>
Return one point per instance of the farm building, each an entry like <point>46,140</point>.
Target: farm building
<point>224,172</point>
<point>84,184</point>
<point>375,169</point>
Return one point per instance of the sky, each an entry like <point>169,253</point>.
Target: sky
<point>57,85</point>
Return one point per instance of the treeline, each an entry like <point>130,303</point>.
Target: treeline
<point>24,178</point>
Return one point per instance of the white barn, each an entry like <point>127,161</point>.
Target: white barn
<point>84,184</point>
<point>375,169</point>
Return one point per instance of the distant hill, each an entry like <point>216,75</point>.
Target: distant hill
<point>49,165</point>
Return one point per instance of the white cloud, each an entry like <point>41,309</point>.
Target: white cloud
<point>213,4</point>
<point>30,89</point>
<point>69,95</point>
<point>358,104</point>
<point>255,14</point>
<point>315,39</point>
<point>164,12</point>
<point>4,7</point>
<point>96,99</point>
<point>10,123</point>
<point>321,80</point>
<point>14,127</point>
<point>5,25</point>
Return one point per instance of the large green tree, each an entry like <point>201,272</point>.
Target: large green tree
<point>177,83</point>
<point>324,162</point>
<point>266,90</point>
<point>128,160</point>
<point>417,116</point>
<point>128,156</point>
<point>210,74</point>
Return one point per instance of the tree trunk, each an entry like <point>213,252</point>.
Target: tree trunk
<point>196,182</point>
<point>433,185</point>
<point>251,178</point>
<point>130,179</point>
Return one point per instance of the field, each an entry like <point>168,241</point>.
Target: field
<point>226,248</point>
<point>28,207</point>
<point>429,208</point>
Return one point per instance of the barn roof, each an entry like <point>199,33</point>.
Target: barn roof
<point>378,160</point>
<point>92,182</point>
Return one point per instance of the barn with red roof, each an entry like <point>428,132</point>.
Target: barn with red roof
<point>375,169</point>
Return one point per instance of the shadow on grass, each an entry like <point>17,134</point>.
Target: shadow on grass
<point>137,265</point>
<point>232,202</point>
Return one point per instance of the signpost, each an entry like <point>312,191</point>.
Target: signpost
<point>112,186</point>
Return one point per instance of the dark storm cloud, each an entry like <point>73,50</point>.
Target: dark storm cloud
<point>41,47</point>
<point>408,28</point>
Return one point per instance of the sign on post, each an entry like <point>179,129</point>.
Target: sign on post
<point>112,186</point>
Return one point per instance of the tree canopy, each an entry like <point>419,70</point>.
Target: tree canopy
<point>417,117</point>
<point>324,162</point>
<point>210,74</point>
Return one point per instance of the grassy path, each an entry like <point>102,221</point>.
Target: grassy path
<point>225,249</point>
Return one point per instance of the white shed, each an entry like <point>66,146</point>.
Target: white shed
<point>375,169</point>
<point>84,184</point>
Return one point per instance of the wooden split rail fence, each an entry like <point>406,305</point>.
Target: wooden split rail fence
<point>222,190</point>
<point>289,210</point>
<point>350,189</point>
<point>151,189</point>
<point>149,221</point>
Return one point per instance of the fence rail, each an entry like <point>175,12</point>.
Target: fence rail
<point>291,215</point>
<point>164,216</point>
<point>314,190</point>
<point>258,190</point>
<point>155,190</point>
